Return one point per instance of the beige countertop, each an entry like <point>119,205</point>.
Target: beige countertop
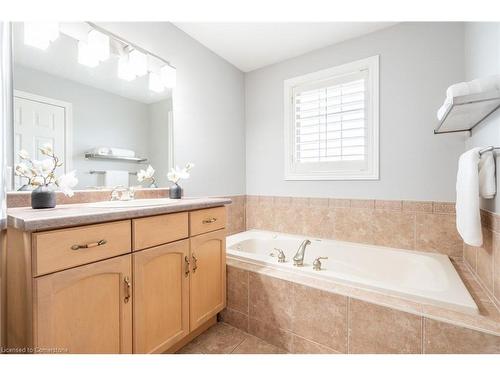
<point>70,215</point>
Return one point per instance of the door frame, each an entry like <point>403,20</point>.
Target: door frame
<point>68,122</point>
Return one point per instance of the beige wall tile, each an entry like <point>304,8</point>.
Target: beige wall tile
<point>414,206</point>
<point>260,215</point>
<point>235,319</point>
<point>270,333</point>
<point>438,233</point>
<point>271,300</point>
<point>318,221</point>
<point>362,203</point>
<point>450,339</point>
<point>237,289</point>
<point>443,207</point>
<point>289,218</point>
<point>336,203</point>
<point>389,205</point>
<point>377,329</point>
<point>470,256</point>
<point>394,229</point>
<point>320,317</point>
<point>318,202</point>
<point>496,267</point>
<point>302,346</point>
<point>485,260</point>
<point>355,225</point>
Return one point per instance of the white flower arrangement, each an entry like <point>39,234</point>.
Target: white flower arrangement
<point>42,172</point>
<point>176,174</point>
<point>146,175</point>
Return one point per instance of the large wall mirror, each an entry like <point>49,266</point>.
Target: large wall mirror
<point>103,104</point>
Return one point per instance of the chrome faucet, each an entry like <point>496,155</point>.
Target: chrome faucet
<point>298,258</point>
<point>127,194</point>
<point>281,255</point>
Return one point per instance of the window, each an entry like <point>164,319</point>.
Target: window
<point>331,123</point>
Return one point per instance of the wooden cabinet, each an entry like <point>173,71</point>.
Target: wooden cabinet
<point>208,276</point>
<point>86,309</point>
<point>145,285</point>
<point>161,297</point>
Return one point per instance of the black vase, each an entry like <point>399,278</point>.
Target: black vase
<point>175,192</point>
<point>43,197</point>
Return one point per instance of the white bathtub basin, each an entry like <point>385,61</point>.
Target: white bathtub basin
<point>422,277</point>
<point>133,203</point>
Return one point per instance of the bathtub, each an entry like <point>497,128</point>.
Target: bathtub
<point>421,277</point>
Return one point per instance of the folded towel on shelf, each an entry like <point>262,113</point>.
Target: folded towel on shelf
<point>487,181</point>
<point>467,206</point>
<point>113,178</point>
<point>101,150</point>
<point>122,152</point>
<point>458,89</point>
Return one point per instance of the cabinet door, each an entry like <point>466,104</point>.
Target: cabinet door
<point>161,297</point>
<point>208,276</point>
<point>87,309</point>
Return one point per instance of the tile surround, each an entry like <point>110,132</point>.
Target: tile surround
<point>484,261</point>
<point>423,226</point>
<point>319,321</point>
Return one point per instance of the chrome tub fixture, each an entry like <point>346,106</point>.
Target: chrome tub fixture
<point>317,263</point>
<point>281,255</point>
<point>298,258</point>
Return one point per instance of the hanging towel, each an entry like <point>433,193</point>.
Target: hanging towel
<point>116,178</point>
<point>487,182</point>
<point>467,206</point>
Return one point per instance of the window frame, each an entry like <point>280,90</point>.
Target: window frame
<point>299,171</point>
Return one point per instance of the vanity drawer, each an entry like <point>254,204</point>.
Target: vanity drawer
<point>161,229</point>
<point>207,220</point>
<point>65,248</point>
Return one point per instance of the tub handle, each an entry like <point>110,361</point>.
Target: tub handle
<point>317,263</point>
<point>281,255</point>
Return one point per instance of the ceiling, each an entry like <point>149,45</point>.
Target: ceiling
<point>250,46</point>
<point>60,59</point>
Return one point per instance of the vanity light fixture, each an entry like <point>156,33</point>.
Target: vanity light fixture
<point>86,55</point>
<point>98,44</point>
<point>40,34</point>
<point>168,76</point>
<point>125,70</point>
<point>155,82</point>
<point>138,62</point>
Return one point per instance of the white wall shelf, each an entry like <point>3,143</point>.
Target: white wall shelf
<point>467,111</point>
<point>89,155</point>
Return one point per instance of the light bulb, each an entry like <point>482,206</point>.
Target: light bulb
<point>138,62</point>
<point>155,82</point>
<point>86,55</point>
<point>168,76</point>
<point>125,71</point>
<point>40,34</point>
<point>99,44</point>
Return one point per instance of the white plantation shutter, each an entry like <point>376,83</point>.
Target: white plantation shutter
<point>330,121</point>
<point>331,126</point>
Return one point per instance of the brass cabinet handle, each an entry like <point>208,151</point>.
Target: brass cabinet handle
<point>186,261</point>
<point>209,220</point>
<point>128,286</point>
<point>195,263</point>
<point>89,245</point>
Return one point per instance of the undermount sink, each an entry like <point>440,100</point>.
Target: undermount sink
<point>133,203</point>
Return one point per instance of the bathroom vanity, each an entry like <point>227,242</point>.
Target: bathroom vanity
<point>85,279</point>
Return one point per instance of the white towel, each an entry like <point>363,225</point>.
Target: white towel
<point>122,152</point>
<point>100,150</point>
<point>467,206</point>
<point>487,182</point>
<point>116,178</point>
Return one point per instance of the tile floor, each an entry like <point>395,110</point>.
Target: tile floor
<point>225,339</point>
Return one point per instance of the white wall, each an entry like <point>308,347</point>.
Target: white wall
<point>208,107</point>
<point>99,119</point>
<point>482,58</point>
<point>418,61</point>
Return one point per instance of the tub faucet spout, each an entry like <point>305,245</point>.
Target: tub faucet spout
<point>298,259</point>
